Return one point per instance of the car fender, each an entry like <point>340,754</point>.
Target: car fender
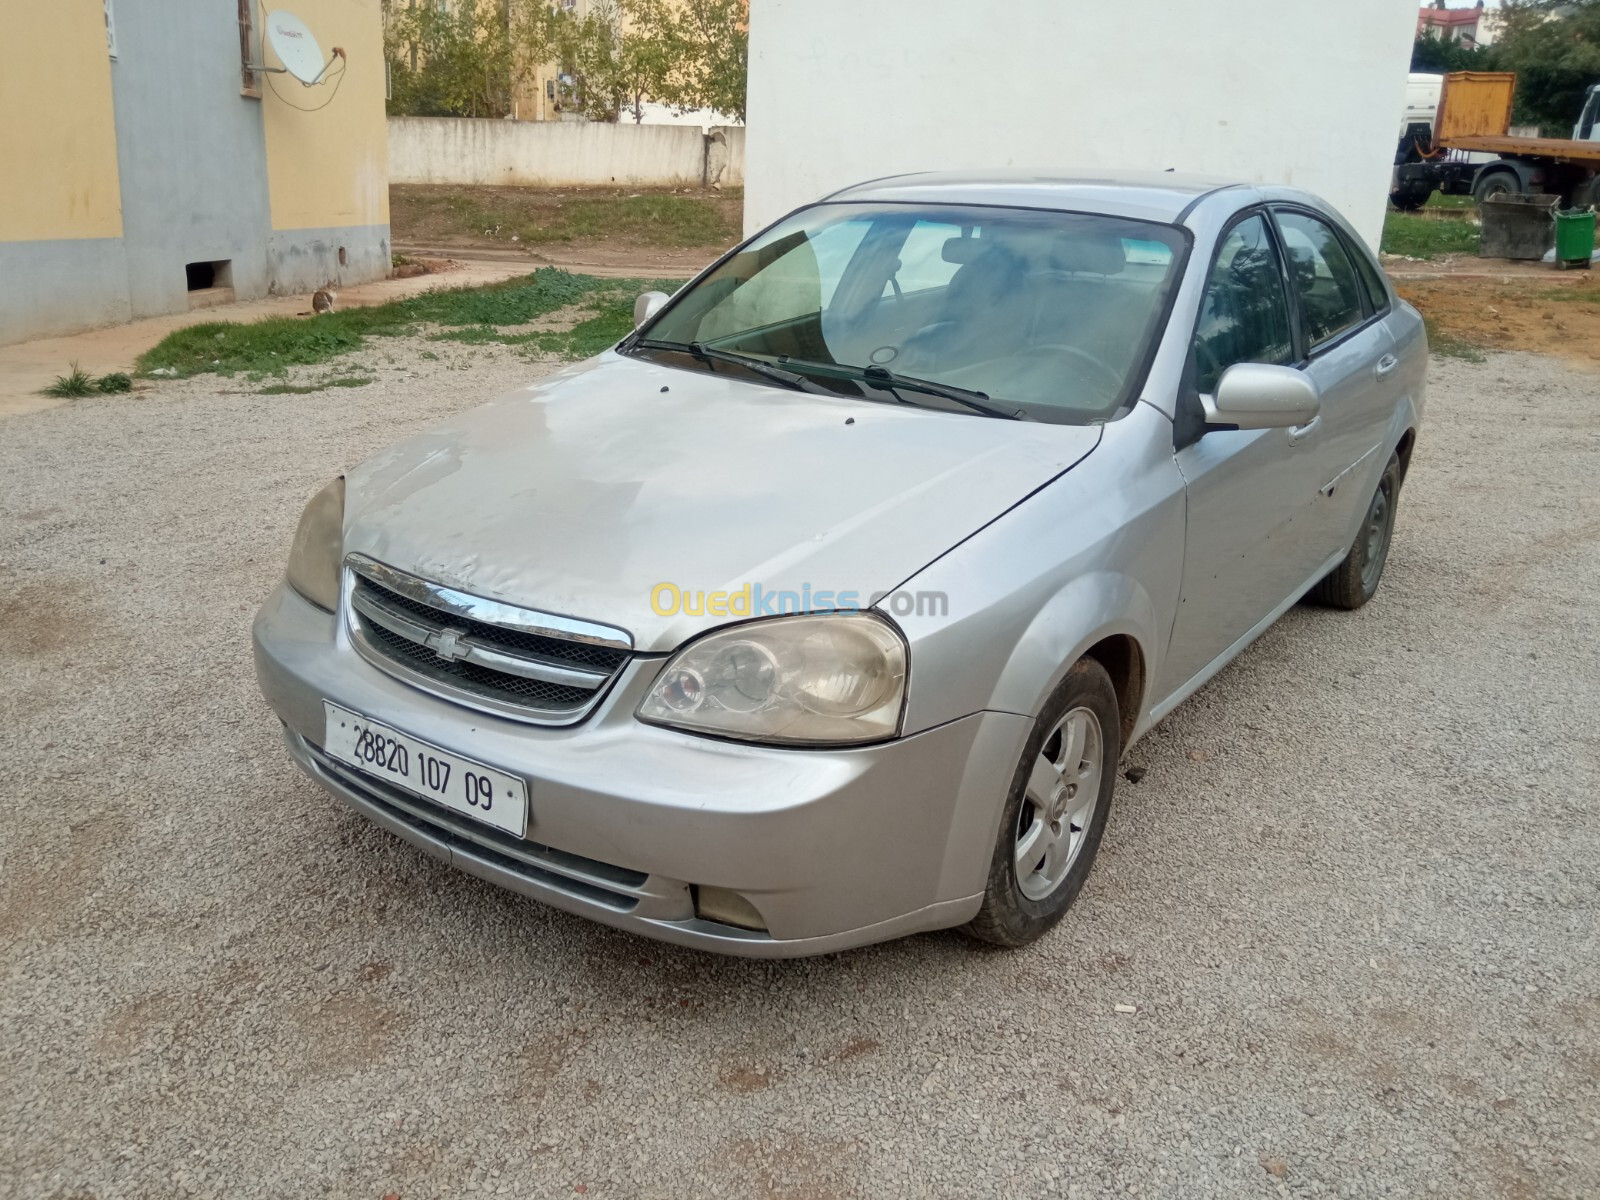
<point>1098,552</point>
<point>1088,610</point>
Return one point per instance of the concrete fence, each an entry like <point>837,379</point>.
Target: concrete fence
<point>563,153</point>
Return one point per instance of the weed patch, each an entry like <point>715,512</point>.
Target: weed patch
<point>270,346</point>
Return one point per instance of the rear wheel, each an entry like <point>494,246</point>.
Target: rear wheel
<point>1494,183</point>
<point>1355,580</point>
<point>1056,811</point>
<point>1409,201</point>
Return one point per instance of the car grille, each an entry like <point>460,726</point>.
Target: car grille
<point>488,655</point>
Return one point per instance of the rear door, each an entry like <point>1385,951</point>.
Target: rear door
<point>1351,356</point>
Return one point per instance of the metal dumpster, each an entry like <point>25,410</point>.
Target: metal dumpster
<point>1518,225</point>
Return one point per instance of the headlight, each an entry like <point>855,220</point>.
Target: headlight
<point>318,546</point>
<point>831,678</point>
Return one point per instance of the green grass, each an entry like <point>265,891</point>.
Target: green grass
<point>1417,235</point>
<point>1449,346</point>
<point>609,320</point>
<point>76,382</point>
<point>116,381</point>
<point>652,219</point>
<point>297,389</point>
<point>270,346</point>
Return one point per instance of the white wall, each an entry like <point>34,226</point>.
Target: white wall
<point>558,153</point>
<point>1272,91</point>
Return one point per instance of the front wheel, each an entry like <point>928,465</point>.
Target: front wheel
<point>1055,813</point>
<point>1355,580</point>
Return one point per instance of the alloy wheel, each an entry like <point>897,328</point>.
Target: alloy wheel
<point>1058,806</point>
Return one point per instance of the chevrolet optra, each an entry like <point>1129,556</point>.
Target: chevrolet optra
<point>1023,461</point>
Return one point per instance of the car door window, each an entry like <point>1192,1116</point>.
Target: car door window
<point>1245,314</point>
<point>1372,277</point>
<point>922,262</point>
<point>1324,277</point>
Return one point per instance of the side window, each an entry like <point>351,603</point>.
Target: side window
<point>922,261</point>
<point>1372,276</point>
<point>1323,275</point>
<point>1245,315</point>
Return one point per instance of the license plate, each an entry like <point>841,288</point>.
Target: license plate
<point>460,784</point>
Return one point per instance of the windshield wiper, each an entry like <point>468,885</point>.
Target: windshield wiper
<point>976,401</point>
<point>893,383</point>
<point>710,354</point>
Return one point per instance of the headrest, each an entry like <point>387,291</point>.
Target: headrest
<point>1093,254</point>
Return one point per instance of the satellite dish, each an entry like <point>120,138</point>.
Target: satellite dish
<point>296,47</point>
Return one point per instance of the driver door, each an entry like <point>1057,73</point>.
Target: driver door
<point>1249,492</point>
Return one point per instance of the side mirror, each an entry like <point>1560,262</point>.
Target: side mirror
<point>1260,396</point>
<point>647,306</point>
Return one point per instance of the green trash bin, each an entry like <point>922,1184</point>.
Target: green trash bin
<point>1574,238</point>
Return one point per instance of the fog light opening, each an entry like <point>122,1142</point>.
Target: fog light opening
<point>727,908</point>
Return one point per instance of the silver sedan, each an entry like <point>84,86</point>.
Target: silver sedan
<point>821,609</point>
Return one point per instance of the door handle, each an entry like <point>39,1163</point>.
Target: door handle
<point>1386,364</point>
<point>1301,432</point>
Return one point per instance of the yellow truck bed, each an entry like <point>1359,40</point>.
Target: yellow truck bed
<point>1475,114</point>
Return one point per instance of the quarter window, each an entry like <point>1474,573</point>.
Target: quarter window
<point>1323,275</point>
<point>1245,315</point>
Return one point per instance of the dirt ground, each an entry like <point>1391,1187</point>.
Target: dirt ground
<point>1350,901</point>
<point>662,231</point>
<point>1546,311</point>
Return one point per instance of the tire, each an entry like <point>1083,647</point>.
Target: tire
<point>1355,580</point>
<point>1494,183</point>
<point>1020,903</point>
<point>1409,201</point>
<point>1587,193</point>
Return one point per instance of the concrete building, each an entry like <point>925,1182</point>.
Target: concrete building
<point>1469,27</point>
<point>1259,90</point>
<point>147,170</point>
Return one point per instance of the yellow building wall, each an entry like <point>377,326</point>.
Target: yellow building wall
<point>330,167</point>
<point>58,138</point>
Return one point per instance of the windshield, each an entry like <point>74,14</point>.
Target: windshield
<point>1050,314</point>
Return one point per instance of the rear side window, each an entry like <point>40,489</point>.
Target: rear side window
<point>1372,277</point>
<point>1245,315</point>
<point>1330,290</point>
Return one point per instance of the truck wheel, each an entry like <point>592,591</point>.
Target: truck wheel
<point>1056,811</point>
<point>1494,183</point>
<point>1409,201</point>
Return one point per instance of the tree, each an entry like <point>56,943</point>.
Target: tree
<point>1554,47</point>
<point>712,56</point>
<point>465,58</point>
<point>1435,55</point>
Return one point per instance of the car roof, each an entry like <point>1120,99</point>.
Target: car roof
<point>1152,196</point>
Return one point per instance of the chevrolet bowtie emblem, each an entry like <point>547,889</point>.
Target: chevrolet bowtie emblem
<point>448,644</point>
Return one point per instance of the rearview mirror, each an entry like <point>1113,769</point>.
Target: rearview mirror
<point>1260,396</point>
<point>647,306</point>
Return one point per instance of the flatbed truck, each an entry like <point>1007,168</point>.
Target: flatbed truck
<point>1474,120</point>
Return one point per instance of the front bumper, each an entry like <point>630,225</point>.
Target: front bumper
<point>834,848</point>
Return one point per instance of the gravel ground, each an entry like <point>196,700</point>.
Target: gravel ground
<point>1353,899</point>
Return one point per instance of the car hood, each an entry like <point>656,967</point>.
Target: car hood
<point>580,494</point>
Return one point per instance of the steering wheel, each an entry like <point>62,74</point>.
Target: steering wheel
<point>1109,376</point>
